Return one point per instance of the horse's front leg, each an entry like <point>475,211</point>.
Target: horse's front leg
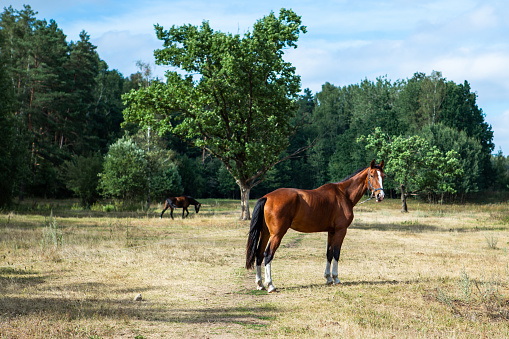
<point>327,273</point>
<point>333,252</point>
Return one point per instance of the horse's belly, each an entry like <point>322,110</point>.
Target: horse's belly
<point>310,226</point>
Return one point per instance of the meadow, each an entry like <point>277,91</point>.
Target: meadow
<point>439,271</point>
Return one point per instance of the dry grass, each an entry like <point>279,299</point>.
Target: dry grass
<point>436,272</point>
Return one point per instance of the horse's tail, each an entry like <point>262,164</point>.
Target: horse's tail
<point>255,230</point>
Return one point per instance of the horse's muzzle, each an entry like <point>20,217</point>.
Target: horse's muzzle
<point>380,196</point>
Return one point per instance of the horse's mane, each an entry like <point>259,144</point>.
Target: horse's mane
<point>358,171</point>
<point>353,174</point>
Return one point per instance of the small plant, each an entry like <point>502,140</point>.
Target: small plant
<point>476,297</point>
<point>491,240</point>
<point>51,235</point>
<point>128,236</point>
<point>464,286</point>
<point>442,297</point>
<point>76,207</point>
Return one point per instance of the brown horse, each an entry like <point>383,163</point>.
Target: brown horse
<point>182,202</point>
<point>328,208</point>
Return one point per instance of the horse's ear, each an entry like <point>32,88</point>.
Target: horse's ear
<point>382,164</point>
<point>372,164</point>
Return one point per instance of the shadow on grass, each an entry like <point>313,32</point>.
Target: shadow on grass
<point>379,282</point>
<point>351,283</point>
<point>69,309</point>
<point>15,271</point>
<point>414,228</point>
<point>421,228</point>
<point>15,276</point>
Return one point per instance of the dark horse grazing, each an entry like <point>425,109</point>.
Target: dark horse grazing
<point>328,208</point>
<point>182,202</point>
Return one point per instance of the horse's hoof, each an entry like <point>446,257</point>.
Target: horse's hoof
<point>271,289</point>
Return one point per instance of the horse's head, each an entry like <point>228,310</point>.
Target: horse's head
<point>197,207</point>
<point>375,180</point>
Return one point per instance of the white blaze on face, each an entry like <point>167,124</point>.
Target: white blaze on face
<point>382,194</point>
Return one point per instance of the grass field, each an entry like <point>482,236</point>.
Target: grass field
<point>435,272</point>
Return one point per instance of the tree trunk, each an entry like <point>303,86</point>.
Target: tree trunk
<point>149,179</point>
<point>404,208</point>
<point>148,196</point>
<point>244,202</point>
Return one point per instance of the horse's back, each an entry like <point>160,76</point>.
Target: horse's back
<point>301,210</point>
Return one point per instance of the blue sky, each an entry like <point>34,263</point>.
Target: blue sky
<point>346,42</point>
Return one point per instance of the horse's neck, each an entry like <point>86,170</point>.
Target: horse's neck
<point>355,187</point>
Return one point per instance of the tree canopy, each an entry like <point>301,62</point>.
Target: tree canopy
<point>414,164</point>
<point>240,107</point>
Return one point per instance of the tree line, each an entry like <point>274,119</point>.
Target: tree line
<point>63,131</point>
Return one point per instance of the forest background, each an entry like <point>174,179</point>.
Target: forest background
<point>61,120</point>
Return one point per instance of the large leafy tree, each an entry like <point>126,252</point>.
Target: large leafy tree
<point>461,112</point>
<point>415,165</point>
<point>469,150</point>
<point>237,96</point>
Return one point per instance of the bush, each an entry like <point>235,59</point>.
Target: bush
<point>81,176</point>
<point>124,173</point>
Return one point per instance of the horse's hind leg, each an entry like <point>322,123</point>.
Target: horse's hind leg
<point>264,239</point>
<point>274,241</point>
<point>165,208</point>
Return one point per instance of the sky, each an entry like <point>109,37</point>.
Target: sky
<point>346,42</point>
